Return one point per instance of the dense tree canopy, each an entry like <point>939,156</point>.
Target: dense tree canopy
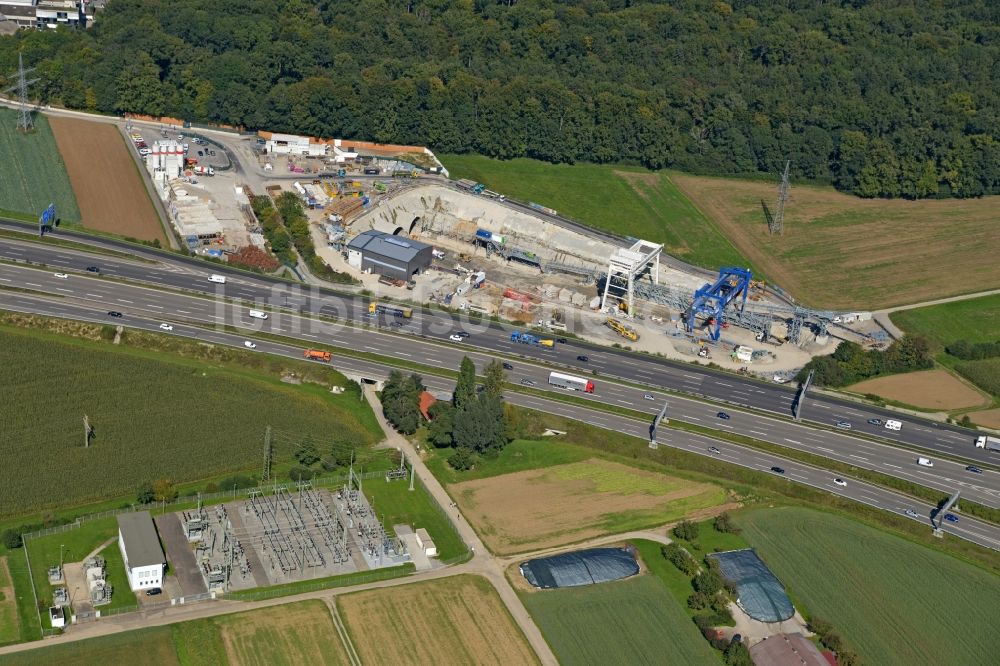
<point>881,98</point>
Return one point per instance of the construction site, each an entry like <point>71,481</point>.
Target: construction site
<point>291,532</point>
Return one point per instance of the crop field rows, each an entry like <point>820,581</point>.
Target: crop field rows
<point>33,174</point>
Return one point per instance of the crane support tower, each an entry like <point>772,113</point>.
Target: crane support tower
<point>624,266</point>
<point>712,299</point>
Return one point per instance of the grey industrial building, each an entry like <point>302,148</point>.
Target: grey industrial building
<point>384,254</point>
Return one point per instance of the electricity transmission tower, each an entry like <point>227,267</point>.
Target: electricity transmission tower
<point>776,223</point>
<point>24,122</point>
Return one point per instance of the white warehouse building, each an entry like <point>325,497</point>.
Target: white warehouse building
<point>291,144</point>
<point>141,551</point>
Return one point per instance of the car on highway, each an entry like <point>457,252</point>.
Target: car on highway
<point>153,591</point>
<point>714,449</point>
<point>875,422</point>
<point>455,337</point>
<point>249,345</point>
<point>166,327</point>
<point>527,382</point>
<point>911,513</point>
<point>61,276</point>
<point>561,341</point>
<point>844,425</point>
<point>114,313</point>
<point>723,416</point>
<point>951,518</point>
<point>973,469</point>
<point>93,269</point>
<point>463,334</point>
<point>583,359</point>
<point>507,366</point>
<point>925,462</point>
<point>648,396</point>
<point>840,482</point>
<point>778,470</point>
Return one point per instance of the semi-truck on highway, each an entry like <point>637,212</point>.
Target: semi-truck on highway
<point>988,443</point>
<point>317,355</point>
<point>394,310</point>
<point>571,382</point>
<point>529,339</point>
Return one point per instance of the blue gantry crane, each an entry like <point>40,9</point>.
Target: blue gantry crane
<point>47,219</point>
<point>712,299</point>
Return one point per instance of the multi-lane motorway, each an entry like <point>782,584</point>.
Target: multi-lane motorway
<point>138,315</point>
<point>684,378</point>
<point>175,308</point>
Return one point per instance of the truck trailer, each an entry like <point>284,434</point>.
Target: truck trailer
<point>317,355</point>
<point>988,443</point>
<point>394,310</point>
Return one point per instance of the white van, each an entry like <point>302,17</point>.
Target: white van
<point>926,462</point>
<point>257,314</point>
<point>893,425</point>
<point>221,279</point>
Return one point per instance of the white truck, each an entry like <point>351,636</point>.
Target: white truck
<point>988,443</point>
<point>204,171</point>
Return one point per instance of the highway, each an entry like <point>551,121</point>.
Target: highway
<point>973,530</point>
<point>698,381</point>
<point>105,294</point>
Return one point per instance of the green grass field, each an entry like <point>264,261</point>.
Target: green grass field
<point>624,200</point>
<point>893,601</point>
<point>633,621</point>
<point>975,320</point>
<point>290,634</point>
<point>33,173</point>
<point>519,455</point>
<point>395,504</point>
<point>155,415</point>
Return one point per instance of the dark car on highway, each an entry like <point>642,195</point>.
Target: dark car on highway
<point>583,358</point>
<point>778,470</point>
<point>561,341</point>
<point>951,518</point>
<point>973,469</point>
<point>93,269</point>
<point>723,415</point>
<point>875,422</point>
<point>507,366</point>
<point>114,313</point>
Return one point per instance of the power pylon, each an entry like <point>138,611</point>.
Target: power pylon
<point>24,122</point>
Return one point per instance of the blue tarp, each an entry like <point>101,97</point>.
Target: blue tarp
<point>758,591</point>
<point>583,567</point>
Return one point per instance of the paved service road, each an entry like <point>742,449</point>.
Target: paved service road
<point>180,309</point>
<point>982,533</point>
<point>191,274</point>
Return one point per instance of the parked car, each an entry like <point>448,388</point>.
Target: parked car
<point>61,276</point>
<point>951,518</point>
<point>114,313</point>
<point>778,470</point>
<point>527,382</point>
<point>875,422</point>
<point>507,366</point>
<point>249,345</point>
<point>145,151</point>
<point>723,416</point>
<point>911,513</point>
<point>844,425</point>
<point>840,482</point>
<point>778,379</point>
<point>201,153</point>
<point>714,449</point>
<point>583,359</point>
<point>973,469</point>
<point>153,591</point>
<point>166,327</point>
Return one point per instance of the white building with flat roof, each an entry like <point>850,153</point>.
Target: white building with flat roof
<point>141,551</point>
<point>292,144</point>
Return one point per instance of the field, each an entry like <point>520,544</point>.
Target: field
<point>624,200</point>
<point>985,374</point>
<point>455,620</point>
<point>841,252</point>
<point>33,173</point>
<point>930,389</point>
<point>894,601</point>
<point>154,416</point>
<point>975,320</point>
<point>290,634</point>
<point>632,621</point>
<point>106,180</point>
<point>989,418</point>
<point>534,509</point>
<point>10,630</point>
<point>396,504</point>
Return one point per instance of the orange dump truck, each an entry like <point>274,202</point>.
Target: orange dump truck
<point>317,355</point>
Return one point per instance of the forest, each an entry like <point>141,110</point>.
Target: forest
<point>880,98</point>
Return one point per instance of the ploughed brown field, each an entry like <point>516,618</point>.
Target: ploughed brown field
<point>930,389</point>
<point>107,184</point>
<point>846,253</point>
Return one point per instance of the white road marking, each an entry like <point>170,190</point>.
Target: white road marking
<point>859,457</point>
<point>792,441</point>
